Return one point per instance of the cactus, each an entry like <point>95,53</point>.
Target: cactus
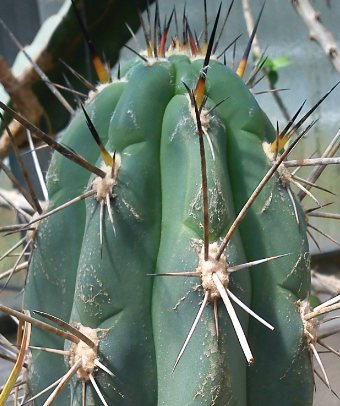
<point>187,209</point>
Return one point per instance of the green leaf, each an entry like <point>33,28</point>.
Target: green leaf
<point>281,62</point>
<point>314,301</point>
<point>268,63</point>
<point>273,77</point>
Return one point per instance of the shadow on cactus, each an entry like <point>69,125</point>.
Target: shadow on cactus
<point>187,210</point>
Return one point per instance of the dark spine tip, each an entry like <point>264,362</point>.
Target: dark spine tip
<point>251,39</point>
<point>222,29</point>
<point>84,31</point>
<point>211,42</point>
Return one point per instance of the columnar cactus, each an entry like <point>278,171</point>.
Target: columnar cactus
<point>151,249</point>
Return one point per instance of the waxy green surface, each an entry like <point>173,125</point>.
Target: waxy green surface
<point>142,320</point>
<point>51,279</point>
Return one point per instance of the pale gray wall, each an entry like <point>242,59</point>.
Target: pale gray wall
<point>22,17</point>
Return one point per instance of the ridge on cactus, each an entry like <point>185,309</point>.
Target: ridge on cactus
<point>169,202</point>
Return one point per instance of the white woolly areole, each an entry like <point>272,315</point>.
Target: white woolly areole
<point>310,326</point>
<point>285,175</point>
<point>94,93</point>
<point>175,51</point>
<point>267,150</point>
<point>207,268</point>
<point>85,353</point>
<point>205,118</point>
<point>104,185</point>
<point>151,60</point>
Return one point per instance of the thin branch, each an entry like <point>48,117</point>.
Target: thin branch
<point>14,199</point>
<point>311,162</point>
<point>325,283</point>
<point>39,71</point>
<point>26,103</point>
<point>317,31</point>
<point>317,171</point>
<point>257,52</point>
<point>333,216</point>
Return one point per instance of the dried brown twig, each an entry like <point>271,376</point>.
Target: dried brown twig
<point>257,52</point>
<point>317,31</point>
<point>317,171</point>
<point>322,283</point>
<point>25,101</point>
